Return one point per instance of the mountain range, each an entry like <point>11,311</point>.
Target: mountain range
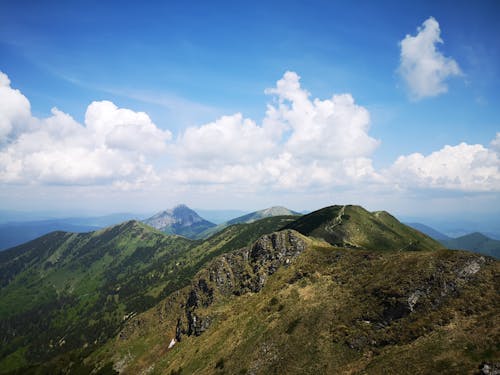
<point>477,242</point>
<point>339,290</point>
<point>250,218</point>
<point>13,233</point>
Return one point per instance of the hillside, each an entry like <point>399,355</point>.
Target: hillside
<point>65,294</point>
<point>179,220</point>
<point>476,242</point>
<point>354,227</point>
<point>291,304</point>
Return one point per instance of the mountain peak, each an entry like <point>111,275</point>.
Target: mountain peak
<point>267,212</point>
<point>355,227</point>
<point>180,220</point>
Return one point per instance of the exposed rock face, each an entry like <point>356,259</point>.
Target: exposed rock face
<point>243,271</point>
<point>490,369</point>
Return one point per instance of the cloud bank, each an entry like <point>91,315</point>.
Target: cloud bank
<point>423,68</point>
<point>303,144</point>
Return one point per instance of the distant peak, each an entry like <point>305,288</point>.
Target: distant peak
<point>181,206</point>
<point>180,216</point>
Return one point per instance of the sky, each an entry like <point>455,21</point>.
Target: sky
<point>127,106</point>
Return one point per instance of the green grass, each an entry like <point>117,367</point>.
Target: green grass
<point>336,311</point>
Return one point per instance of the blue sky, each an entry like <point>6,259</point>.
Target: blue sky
<point>188,64</point>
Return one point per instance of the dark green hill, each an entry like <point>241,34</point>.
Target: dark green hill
<point>292,305</point>
<point>68,293</point>
<point>354,227</point>
<point>476,242</point>
<point>67,290</point>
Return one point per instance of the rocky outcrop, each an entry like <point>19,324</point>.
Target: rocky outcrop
<point>431,292</point>
<point>237,273</point>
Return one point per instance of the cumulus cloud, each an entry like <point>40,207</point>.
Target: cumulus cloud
<point>111,147</point>
<point>229,139</point>
<point>423,67</point>
<point>495,143</point>
<point>15,111</point>
<point>333,129</point>
<point>462,167</point>
<point>302,142</point>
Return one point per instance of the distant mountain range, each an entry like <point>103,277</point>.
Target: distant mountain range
<point>250,218</point>
<point>182,220</point>
<point>17,232</point>
<point>476,241</point>
<point>267,212</point>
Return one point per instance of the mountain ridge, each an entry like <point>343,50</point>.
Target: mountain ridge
<point>348,286</point>
<point>354,227</point>
<point>258,310</point>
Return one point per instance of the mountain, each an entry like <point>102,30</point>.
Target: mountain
<point>250,218</point>
<point>340,290</point>
<point>476,242</point>
<point>431,232</point>
<point>354,227</point>
<point>268,212</point>
<point>64,294</point>
<point>289,304</point>
<point>13,234</point>
<point>18,232</point>
<point>179,220</point>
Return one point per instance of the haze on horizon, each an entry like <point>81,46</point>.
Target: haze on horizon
<point>107,108</point>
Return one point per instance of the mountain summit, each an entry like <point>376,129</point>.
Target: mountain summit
<point>257,215</point>
<point>354,227</point>
<point>179,220</point>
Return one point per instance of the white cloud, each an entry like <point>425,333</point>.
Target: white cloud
<point>495,144</point>
<point>334,128</point>
<point>124,129</point>
<point>301,143</point>
<point>228,140</point>
<point>462,167</point>
<point>111,147</point>
<point>15,110</point>
<point>423,67</point>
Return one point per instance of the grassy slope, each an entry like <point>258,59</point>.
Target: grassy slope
<point>353,226</point>
<point>67,290</point>
<point>335,311</point>
<point>64,291</point>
